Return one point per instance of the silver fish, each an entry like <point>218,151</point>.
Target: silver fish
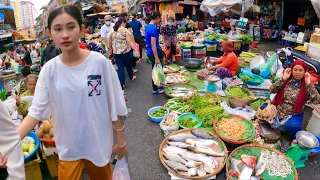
<point>181,137</point>
<point>206,159</point>
<point>261,166</point>
<point>215,162</point>
<point>192,172</point>
<point>201,134</point>
<point>174,157</point>
<point>190,156</point>
<point>178,144</point>
<point>246,173</point>
<point>208,168</point>
<point>173,150</point>
<point>201,172</point>
<point>207,151</point>
<point>176,166</point>
<point>199,142</point>
<point>193,164</point>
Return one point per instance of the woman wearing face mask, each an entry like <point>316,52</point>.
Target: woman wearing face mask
<point>294,90</point>
<point>120,41</point>
<point>169,37</point>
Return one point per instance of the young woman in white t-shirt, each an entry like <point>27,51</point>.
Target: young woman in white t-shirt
<point>85,99</point>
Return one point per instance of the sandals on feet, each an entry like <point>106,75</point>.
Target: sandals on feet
<point>158,92</point>
<point>133,78</point>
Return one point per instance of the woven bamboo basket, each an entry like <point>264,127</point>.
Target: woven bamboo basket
<point>162,158</point>
<point>234,152</point>
<point>240,102</point>
<point>168,89</point>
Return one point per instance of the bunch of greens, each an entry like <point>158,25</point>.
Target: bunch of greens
<point>237,92</point>
<point>177,105</point>
<point>198,102</point>
<point>213,37</point>
<point>245,38</point>
<point>188,122</point>
<point>208,114</point>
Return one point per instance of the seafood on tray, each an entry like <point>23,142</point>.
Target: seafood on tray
<point>267,166</point>
<point>194,153</point>
<point>171,79</point>
<point>182,92</point>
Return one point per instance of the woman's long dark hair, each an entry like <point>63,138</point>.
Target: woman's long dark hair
<point>118,23</point>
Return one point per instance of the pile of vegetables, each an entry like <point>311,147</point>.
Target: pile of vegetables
<point>217,36</point>
<point>177,105</point>
<point>245,38</point>
<point>158,76</point>
<point>159,112</point>
<point>248,56</point>
<point>246,78</point>
<point>198,102</point>
<point>237,92</point>
<point>28,145</point>
<point>208,114</point>
<point>188,122</point>
<point>3,94</point>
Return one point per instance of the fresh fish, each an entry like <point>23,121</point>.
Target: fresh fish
<point>190,156</point>
<point>178,144</point>
<point>208,168</point>
<point>207,151</point>
<point>181,137</point>
<point>175,157</point>
<point>206,159</point>
<point>261,166</point>
<point>173,150</point>
<point>193,164</point>
<point>192,172</point>
<point>215,162</point>
<point>249,160</point>
<point>254,178</point>
<point>200,142</point>
<point>234,171</point>
<point>201,172</point>
<point>201,134</point>
<point>246,173</point>
<point>176,166</point>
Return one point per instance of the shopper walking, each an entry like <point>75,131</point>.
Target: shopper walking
<point>136,28</point>
<point>154,52</point>
<point>121,44</point>
<point>85,98</point>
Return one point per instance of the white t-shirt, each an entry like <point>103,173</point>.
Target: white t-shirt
<point>34,56</point>
<point>10,145</point>
<point>106,29</point>
<point>84,100</point>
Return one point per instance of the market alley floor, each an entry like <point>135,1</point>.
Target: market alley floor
<point>144,136</point>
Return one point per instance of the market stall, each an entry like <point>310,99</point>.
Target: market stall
<point>207,114</point>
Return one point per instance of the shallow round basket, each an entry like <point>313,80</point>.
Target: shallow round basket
<point>238,102</point>
<point>37,142</point>
<point>169,88</point>
<point>235,151</point>
<point>232,141</point>
<point>156,119</point>
<point>221,165</point>
<point>189,115</point>
<point>186,81</point>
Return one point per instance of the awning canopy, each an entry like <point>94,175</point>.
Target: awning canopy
<point>154,1</point>
<point>214,7</point>
<point>192,3</point>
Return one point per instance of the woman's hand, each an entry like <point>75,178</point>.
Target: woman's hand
<point>120,151</point>
<point>18,100</point>
<point>3,161</point>
<point>212,68</point>
<point>307,78</point>
<point>286,74</point>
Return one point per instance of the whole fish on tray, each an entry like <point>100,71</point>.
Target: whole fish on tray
<point>174,150</point>
<point>181,137</point>
<point>201,142</point>
<point>192,172</point>
<point>181,92</point>
<point>174,157</point>
<point>193,164</point>
<point>178,144</point>
<point>176,166</point>
<point>201,134</point>
<point>207,151</point>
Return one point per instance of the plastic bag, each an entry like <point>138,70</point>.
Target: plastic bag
<point>121,170</point>
<point>155,76</point>
<point>161,75</point>
<point>246,112</point>
<point>266,69</point>
<point>172,127</point>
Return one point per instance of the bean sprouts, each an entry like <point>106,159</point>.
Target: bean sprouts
<point>276,164</point>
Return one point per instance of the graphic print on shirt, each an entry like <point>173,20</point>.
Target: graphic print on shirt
<point>94,81</point>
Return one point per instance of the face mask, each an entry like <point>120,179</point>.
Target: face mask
<point>170,23</point>
<point>108,23</point>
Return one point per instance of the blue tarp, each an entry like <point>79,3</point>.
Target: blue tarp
<point>2,7</point>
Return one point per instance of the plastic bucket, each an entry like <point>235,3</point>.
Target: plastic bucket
<point>254,44</point>
<point>316,150</point>
<point>314,124</point>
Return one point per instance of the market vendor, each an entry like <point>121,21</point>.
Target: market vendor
<point>294,90</point>
<point>233,31</point>
<point>23,106</point>
<point>169,37</point>
<point>189,24</point>
<point>227,65</point>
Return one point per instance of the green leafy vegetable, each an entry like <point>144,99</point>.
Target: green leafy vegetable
<point>177,105</point>
<point>208,114</point>
<point>188,122</point>
<point>237,92</point>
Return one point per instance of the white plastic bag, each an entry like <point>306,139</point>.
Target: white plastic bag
<point>121,170</point>
<point>246,112</point>
<point>173,127</point>
<point>155,76</point>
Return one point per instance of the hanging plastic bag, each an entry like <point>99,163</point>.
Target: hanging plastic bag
<point>155,76</point>
<point>161,75</point>
<point>172,126</point>
<point>121,170</point>
<point>266,69</point>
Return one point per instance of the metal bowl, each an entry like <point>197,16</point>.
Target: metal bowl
<point>192,63</point>
<point>307,139</point>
